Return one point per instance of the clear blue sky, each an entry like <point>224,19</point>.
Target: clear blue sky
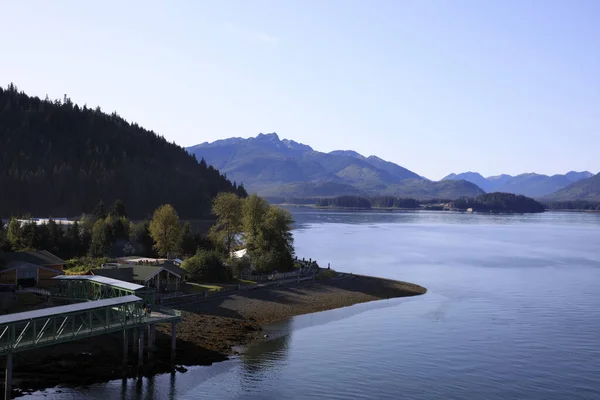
<point>435,86</point>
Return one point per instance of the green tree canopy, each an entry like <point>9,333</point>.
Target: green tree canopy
<point>227,207</point>
<point>268,235</point>
<point>14,234</point>
<point>165,230</point>
<point>254,211</point>
<point>207,266</point>
<point>101,239</point>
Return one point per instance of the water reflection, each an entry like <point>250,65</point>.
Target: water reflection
<point>262,359</point>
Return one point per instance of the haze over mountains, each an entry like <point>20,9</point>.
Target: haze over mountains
<point>271,166</point>
<point>531,184</point>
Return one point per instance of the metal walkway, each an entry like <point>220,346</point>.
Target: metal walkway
<point>91,287</point>
<point>103,306</point>
<point>31,329</point>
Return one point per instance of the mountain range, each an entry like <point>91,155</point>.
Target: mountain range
<point>272,167</point>
<point>585,189</point>
<point>531,184</point>
<point>275,167</point>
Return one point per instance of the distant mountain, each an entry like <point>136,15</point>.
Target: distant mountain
<point>532,185</point>
<point>584,189</point>
<point>270,166</point>
<point>472,177</point>
<point>574,176</point>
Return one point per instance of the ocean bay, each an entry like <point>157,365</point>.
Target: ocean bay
<point>511,312</point>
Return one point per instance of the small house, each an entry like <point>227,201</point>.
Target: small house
<point>30,268</point>
<point>165,276</point>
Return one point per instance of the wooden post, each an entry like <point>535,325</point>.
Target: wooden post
<point>141,348</point>
<point>173,340</point>
<point>125,346</point>
<point>8,376</point>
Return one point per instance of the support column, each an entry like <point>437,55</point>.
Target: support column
<point>136,336</point>
<point>8,377</point>
<point>151,339</point>
<point>125,346</point>
<point>141,348</point>
<point>173,340</point>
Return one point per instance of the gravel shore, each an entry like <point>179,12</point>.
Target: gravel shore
<point>209,330</point>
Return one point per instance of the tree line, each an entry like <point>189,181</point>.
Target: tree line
<point>361,202</point>
<point>574,205</point>
<point>102,233</point>
<point>251,223</point>
<point>500,202</point>
<point>60,159</point>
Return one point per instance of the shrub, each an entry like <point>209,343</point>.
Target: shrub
<point>207,266</point>
<point>274,261</point>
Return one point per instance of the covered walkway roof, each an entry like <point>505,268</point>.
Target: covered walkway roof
<point>71,308</point>
<point>102,280</point>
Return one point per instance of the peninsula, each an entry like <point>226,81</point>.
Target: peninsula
<point>210,328</point>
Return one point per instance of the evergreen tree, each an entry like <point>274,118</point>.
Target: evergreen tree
<point>118,209</point>
<point>73,238</point>
<point>54,241</point>
<point>189,245</point>
<point>99,211</point>
<point>141,239</point>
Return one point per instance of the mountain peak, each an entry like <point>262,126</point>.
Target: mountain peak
<point>348,153</point>
<point>268,136</point>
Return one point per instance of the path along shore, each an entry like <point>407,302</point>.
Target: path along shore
<point>207,334</point>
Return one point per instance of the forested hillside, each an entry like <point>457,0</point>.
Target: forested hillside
<point>585,189</point>
<point>500,202</point>
<point>59,159</point>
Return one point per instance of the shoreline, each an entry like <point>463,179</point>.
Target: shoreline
<point>209,332</point>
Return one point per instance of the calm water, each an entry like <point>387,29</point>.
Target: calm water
<point>512,313</point>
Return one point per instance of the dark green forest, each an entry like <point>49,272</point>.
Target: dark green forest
<point>59,160</point>
<point>367,202</point>
<point>499,202</point>
<point>574,205</point>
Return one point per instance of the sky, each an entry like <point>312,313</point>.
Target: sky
<point>509,86</point>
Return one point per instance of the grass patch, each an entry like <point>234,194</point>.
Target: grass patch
<point>83,265</point>
<point>193,287</point>
<point>326,274</point>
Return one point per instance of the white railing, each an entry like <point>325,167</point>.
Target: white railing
<point>41,292</point>
<point>281,275</point>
